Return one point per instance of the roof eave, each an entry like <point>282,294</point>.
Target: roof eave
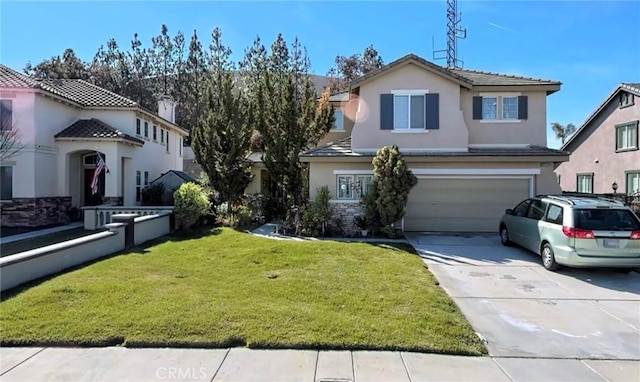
<point>100,139</point>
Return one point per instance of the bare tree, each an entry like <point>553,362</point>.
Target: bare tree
<point>9,138</point>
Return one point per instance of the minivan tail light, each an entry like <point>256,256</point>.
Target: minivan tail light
<point>635,235</point>
<point>577,233</point>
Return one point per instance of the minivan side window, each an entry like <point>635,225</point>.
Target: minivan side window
<point>521,209</point>
<point>536,211</point>
<point>555,214</point>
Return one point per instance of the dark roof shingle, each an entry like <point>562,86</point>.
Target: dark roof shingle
<point>481,78</point>
<point>9,78</point>
<point>342,148</point>
<point>94,128</point>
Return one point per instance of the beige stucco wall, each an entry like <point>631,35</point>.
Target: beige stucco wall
<point>322,173</point>
<point>452,134</point>
<point>594,151</point>
<point>254,186</point>
<point>532,130</point>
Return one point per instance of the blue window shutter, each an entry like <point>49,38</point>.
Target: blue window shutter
<point>432,109</point>
<point>523,107</point>
<point>386,111</point>
<point>477,107</point>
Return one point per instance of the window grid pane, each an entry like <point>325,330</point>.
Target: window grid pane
<point>345,187</point>
<point>489,108</point>
<point>338,123</point>
<point>633,183</point>
<point>6,114</point>
<point>584,183</point>
<point>364,185</point>
<point>509,108</point>
<point>417,112</point>
<point>401,112</point>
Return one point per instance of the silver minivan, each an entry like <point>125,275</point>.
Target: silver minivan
<point>576,231</point>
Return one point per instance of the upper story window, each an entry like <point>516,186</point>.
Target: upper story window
<point>167,140</point>
<point>6,114</point>
<point>626,99</point>
<point>585,183</point>
<point>633,183</point>
<point>161,135</point>
<point>500,107</point>
<point>338,124</point>
<point>146,129</point>
<point>138,126</point>
<point>155,132</point>
<point>408,112</point>
<point>627,136</point>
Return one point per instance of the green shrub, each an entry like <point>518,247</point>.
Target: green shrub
<point>191,203</point>
<point>317,214</point>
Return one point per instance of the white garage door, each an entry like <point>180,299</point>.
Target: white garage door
<point>462,205</point>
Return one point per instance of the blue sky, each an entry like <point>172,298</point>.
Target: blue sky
<point>591,46</point>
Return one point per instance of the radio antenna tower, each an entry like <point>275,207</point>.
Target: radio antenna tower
<point>454,32</point>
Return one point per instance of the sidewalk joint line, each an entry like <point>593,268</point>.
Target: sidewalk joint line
<point>502,369</point>
<point>220,366</point>
<point>353,366</point>
<point>406,369</point>
<point>315,369</point>
<point>25,360</point>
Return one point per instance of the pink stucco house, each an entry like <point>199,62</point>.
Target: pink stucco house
<point>604,150</point>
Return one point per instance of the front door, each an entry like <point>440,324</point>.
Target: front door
<point>91,199</point>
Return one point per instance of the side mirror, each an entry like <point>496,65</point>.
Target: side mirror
<point>508,211</point>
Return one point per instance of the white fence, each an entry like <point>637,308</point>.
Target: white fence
<point>98,216</point>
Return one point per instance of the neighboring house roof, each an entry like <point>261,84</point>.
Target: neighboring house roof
<point>342,148</point>
<point>180,174</point>
<point>465,77</point>
<point>633,88</point>
<point>339,97</point>
<point>79,92</point>
<point>95,128</point>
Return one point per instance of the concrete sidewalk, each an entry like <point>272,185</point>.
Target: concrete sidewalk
<point>241,364</point>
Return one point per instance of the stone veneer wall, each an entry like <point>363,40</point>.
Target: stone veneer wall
<point>35,212</point>
<point>347,212</point>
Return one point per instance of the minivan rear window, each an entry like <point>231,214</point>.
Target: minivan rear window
<point>605,219</point>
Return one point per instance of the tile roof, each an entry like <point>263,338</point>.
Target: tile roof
<point>342,148</point>
<point>94,128</point>
<point>633,86</point>
<point>9,78</point>
<point>481,78</point>
<point>78,91</point>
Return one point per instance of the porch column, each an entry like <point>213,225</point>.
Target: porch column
<point>113,179</point>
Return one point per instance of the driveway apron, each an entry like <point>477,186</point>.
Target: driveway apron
<point>523,310</point>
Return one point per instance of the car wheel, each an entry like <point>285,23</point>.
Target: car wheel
<point>504,236</point>
<point>548,259</point>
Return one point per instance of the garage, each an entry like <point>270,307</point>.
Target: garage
<point>462,204</point>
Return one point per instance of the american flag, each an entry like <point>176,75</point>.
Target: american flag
<point>96,174</point>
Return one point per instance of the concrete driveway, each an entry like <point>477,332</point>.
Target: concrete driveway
<point>523,310</point>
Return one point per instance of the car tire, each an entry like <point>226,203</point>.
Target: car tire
<point>504,236</point>
<point>548,258</point>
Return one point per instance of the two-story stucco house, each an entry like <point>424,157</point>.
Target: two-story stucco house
<point>604,150</point>
<point>62,125</point>
<point>475,140</point>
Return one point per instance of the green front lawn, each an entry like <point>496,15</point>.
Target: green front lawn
<point>229,288</point>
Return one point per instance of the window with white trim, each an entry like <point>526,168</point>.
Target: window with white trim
<point>6,114</point>
<point>167,140</point>
<point>138,185</point>
<point>633,183</point>
<point>627,136</point>
<point>6,183</point>
<point>146,129</point>
<point>409,111</point>
<point>585,183</point>
<point>146,178</point>
<point>181,145</point>
<point>138,126</point>
<point>338,123</point>
<point>161,135</point>
<point>489,107</point>
<point>155,132</point>
<point>626,99</point>
<point>353,186</point>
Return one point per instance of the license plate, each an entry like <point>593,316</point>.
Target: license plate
<point>611,243</point>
